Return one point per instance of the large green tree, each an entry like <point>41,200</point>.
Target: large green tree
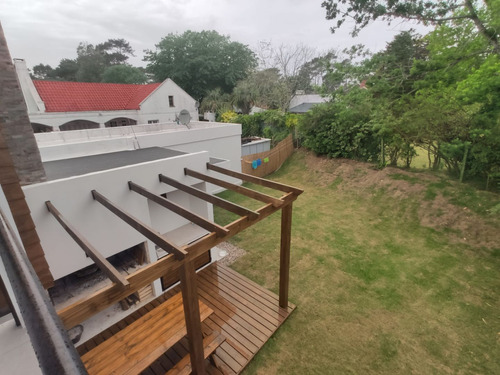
<point>484,14</point>
<point>200,61</point>
<point>124,73</point>
<point>91,63</point>
<point>439,92</point>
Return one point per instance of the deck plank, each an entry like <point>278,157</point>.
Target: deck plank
<point>133,349</point>
<point>246,314</point>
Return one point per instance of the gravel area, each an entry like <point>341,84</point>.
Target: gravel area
<point>233,253</point>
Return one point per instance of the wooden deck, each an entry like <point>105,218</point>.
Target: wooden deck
<point>245,313</point>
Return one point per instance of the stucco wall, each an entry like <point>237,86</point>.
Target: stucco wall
<point>104,230</point>
<point>56,119</point>
<point>156,106</point>
<point>220,140</point>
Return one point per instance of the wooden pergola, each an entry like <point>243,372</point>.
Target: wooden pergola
<point>179,259</point>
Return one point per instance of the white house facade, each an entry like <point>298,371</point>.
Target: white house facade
<point>57,105</point>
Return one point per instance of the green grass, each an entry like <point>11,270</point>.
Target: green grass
<point>376,292</point>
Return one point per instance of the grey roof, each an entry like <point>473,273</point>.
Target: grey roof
<point>94,163</point>
<point>302,108</point>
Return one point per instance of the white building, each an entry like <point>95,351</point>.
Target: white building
<point>58,105</point>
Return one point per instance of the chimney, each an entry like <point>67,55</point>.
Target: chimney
<point>33,100</point>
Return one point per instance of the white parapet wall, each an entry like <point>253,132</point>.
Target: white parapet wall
<point>221,140</point>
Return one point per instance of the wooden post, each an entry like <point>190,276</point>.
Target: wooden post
<point>286,235</point>
<point>192,315</point>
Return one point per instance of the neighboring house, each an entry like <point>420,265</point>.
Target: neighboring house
<point>58,105</point>
<point>303,103</point>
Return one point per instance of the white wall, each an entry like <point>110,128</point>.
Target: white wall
<point>56,119</point>
<point>104,230</point>
<point>220,140</point>
<point>156,106</point>
<point>254,147</point>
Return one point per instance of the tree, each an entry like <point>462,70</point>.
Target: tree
<point>265,88</point>
<point>42,71</point>
<point>124,73</point>
<point>200,61</point>
<point>66,70</point>
<point>290,61</point>
<point>90,63</point>
<point>115,51</point>
<point>244,96</point>
<point>485,16</point>
<point>216,101</point>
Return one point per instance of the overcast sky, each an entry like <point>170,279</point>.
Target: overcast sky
<point>45,31</point>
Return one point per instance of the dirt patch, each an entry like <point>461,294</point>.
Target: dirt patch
<point>360,175</point>
<point>233,253</point>
<point>463,225</point>
<point>470,228</point>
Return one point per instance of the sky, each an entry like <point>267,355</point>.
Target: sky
<point>45,31</point>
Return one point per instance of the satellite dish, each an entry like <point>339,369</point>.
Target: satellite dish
<point>184,117</point>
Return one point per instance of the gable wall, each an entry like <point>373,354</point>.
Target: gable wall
<point>156,106</point>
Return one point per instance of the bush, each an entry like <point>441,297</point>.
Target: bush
<point>337,130</point>
<point>272,124</point>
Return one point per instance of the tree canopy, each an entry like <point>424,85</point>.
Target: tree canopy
<point>200,61</point>
<point>484,14</point>
<point>92,62</point>
<point>439,93</point>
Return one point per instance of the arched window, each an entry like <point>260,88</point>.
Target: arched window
<point>41,128</point>
<point>79,125</point>
<point>120,121</point>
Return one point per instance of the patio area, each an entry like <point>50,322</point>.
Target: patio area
<point>245,313</point>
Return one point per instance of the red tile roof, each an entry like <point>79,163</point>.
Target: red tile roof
<point>61,96</point>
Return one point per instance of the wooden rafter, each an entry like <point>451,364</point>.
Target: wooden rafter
<point>234,208</point>
<point>100,300</point>
<point>237,188</point>
<point>179,210</point>
<point>256,180</point>
<point>90,250</point>
<point>142,228</point>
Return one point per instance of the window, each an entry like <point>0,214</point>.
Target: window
<point>153,121</point>
<point>171,101</point>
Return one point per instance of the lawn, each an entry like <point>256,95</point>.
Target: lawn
<point>387,278</point>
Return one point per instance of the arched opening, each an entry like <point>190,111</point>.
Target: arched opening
<point>79,125</point>
<point>120,121</point>
<point>41,128</point>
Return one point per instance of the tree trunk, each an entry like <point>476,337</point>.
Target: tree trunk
<point>490,35</point>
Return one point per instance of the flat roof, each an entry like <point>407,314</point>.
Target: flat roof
<point>58,169</point>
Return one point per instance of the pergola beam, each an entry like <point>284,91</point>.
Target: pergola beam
<point>90,250</point>
<point>88,306</point>
<point>179,210</point>
<point>229,206</point>
<point>256,180</point>
<point>237,188</point>
<point>139,226</point>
